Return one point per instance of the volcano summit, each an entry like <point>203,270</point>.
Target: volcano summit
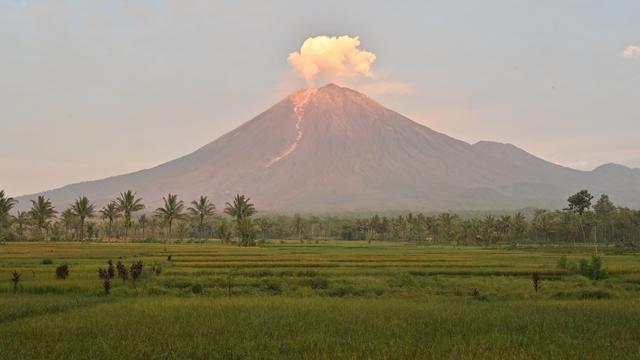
<point>335,149</point>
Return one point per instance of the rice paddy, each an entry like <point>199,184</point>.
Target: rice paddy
<point>320,300</point>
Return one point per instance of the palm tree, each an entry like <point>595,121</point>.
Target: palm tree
<point>143,222</point>
<point>264,224</point>
<point>202,209</point>
<point>68,219</point>
<point>173,209</point>
<point>83,209</point>
<point>110,213</point>
<point>21,219</point>
<point>503,224</point>
<point>298,226</point>
<point>242,210</point>
<point>42,211</point>
<point>128,204</point>
<point>6,204</point>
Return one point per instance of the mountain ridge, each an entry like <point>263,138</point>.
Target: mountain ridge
<point>336,149</point>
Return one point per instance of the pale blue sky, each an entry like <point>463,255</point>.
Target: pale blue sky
<point>98,88</point>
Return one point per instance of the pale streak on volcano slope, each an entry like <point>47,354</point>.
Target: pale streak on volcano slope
<point>300,101</point>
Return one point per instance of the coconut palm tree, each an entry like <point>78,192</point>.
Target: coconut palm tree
<point>298,226</point>
<point>202,209</point>
<point>6,204</point>
<point>83,209</point>
<point>110,212</point>
<point>21,219</point>
<point>242,210</point>
<point>68,219</point>
<point>173,209</point>
<point>42,211</point>
<point>143,221</point>
<point>127,203</point>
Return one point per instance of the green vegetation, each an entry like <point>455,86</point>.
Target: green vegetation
<point>598,224</point>
<point>335,299</point>
<point>560,284</point>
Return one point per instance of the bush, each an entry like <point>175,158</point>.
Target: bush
<point>106,275</point>
<point>156,269</point>
<point>62,272</point>
<point>318,283</point>
<point>272,286</point>
<point>47,261</point>
<point>566,264</point>
<point>15,279</point>
<point>593,270</point>
<point>535,280</point>
<point>197,289</point>
<point>136,270</point>
<point>123,272</point>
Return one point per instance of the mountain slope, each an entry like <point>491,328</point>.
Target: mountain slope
<point>333,149</point>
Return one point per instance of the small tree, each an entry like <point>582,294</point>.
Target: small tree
<point>579,203</point>
<point>106,275</point>
<point>123,272</point>
<point>136,270</point>
<point>536,280</point>
<point>15,279</point>
<point>62,272</point>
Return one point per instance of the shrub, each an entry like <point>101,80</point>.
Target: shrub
<point>123,272</point>
<point>106,275</point>
<point>47,261</point>
<point>136,270</point>
<point>62,272</point>
<point>156,269</point>
<point>111,269</point>
<point>197,289</point>
<point>562,262</point>
<point>319,283</point>
<point>535,280</point>
<point>475,293</point>
<point>566,264</point>
<point>15,279</point>
<point>593,270</point>
<point>272,286</point>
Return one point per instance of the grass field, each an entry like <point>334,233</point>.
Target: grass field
<point>331,300</point>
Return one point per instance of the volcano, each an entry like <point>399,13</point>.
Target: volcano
<point>334,149</point>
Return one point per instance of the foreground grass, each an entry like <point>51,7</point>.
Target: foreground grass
<point>334,300</point>
<point>274,327</point>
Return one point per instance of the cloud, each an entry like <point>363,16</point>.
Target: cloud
<point>336,57</point>
<point>631,52</point>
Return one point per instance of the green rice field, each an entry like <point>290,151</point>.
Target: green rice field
<point>320,300</point>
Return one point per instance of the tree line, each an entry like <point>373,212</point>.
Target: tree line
<point>583,220</point>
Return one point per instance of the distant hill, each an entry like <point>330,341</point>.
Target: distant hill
<point>335,149</point>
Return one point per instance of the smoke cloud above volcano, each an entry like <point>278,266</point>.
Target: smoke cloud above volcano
<point>333,57</point>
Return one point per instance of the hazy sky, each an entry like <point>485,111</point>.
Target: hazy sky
<point>97,88</point>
